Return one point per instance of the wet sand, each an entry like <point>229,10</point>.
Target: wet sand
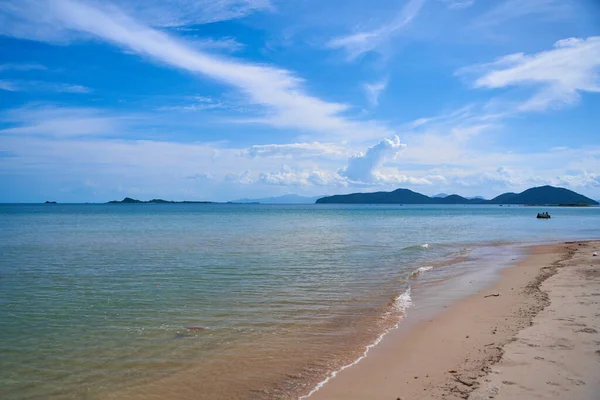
<point>534,333</point>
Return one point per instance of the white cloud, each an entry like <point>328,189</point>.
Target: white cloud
<point>363,166</point>
<point>582,180</point>
<point>288,176</point>
<point>278,90</point>
<point>458,4</point>
<point>295,150</point>
<point>244,177</point>
<point>59,122</point>
<point>558,74</point>
<point>507,10</point>
<point>465,132</point>
<point>16,16</point>
<point>225,44</point>
<point>176,13</point>
<point>196,103</point>
<point>21,67</point>
<point>373,90</point>
<point>8,86</point>
<point>395,177</point>
<point>30,86</point>
<point>363,42</point>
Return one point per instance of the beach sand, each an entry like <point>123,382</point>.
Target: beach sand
<point>532,334</point>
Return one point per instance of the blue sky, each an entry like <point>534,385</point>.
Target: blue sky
<point>221,99</point>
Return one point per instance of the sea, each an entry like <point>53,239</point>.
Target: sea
<point>233,301</point>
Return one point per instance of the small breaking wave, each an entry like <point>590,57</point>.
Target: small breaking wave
<point>419,271</point>
<point>417,247</point>
<point>401,303</point>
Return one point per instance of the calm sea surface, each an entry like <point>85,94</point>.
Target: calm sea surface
<point>97,301</point>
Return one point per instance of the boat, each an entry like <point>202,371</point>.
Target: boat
<point>543,215</point>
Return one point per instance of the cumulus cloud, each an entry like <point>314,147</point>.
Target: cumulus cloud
<point>363,166</point>
<point>288,176</point>
<point>584,179</point>
<point>359,43</point>
<point>558,75</point>
<point>397,178</point>
<point>243,177</point>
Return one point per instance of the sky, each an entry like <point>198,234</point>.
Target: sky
<point>222,99</point>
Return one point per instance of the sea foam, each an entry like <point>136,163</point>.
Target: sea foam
<point>401,303</point>
<point>419,271</point>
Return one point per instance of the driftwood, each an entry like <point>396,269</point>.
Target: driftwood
<point>492,295</point>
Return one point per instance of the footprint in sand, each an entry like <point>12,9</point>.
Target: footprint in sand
<point>562,344</point>
<point>577,382</point>
<point>588,330</point>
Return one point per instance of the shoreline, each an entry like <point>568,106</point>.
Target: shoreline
<point>449,353</point>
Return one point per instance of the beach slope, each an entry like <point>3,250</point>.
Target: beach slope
<point>532,334</point>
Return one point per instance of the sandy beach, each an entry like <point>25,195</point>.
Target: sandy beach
<point>534,333</point>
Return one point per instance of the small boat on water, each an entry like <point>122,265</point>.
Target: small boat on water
<point>543,215</point>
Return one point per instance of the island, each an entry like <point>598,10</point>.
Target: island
<point>542,195</point>
<point>129,200</point>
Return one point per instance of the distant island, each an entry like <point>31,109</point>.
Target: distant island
<point>542,195</point>
<point>49,202</point>
<point>285,199</point>
<point>537,196</point>
<point>129,200</point>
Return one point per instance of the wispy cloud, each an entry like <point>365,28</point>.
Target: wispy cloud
<point>278,90</point>
<point>176,13</point>
<point>228,44</point>
<point>196,103</point>
<point>8,86</point>
<point>572,66</point>
<point>362,42</point>
<point>16,16</point>
<point>59,122</point>
<point>32,86</point>
<point>373,90</point>
<point>295,150</point>
<point>21,67</point>
<point>507,10</point>
<point>458,4</point>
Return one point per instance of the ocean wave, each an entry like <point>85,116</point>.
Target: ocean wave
<point>423,246</point>
<point>401,303</point>
<point>419,271</point>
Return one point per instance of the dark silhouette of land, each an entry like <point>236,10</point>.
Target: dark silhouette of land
<point>542,195</point>
<point>129,200</point>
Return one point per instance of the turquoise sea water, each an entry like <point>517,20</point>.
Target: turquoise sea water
<point>96,300</point>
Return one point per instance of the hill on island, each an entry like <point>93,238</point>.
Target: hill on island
<point>129,200</point>
<point>543,195</point>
